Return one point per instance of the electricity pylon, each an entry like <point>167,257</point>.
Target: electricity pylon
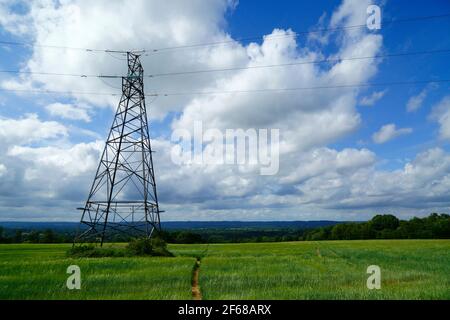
<point>123,196</point>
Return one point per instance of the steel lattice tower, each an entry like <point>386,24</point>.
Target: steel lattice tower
<point>123,196</point>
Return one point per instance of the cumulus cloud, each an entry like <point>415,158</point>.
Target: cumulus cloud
<point>144,25</point>
<point>421,182</point>
<point>370,100</point>
<point>39,167</point>
<point>29,129</point>
<point>11,21</point>
<point>307,118</point>
<point>389,132</point>
<point>325,160</point>
<point>420,186</point>
<point>68,111</point>
<point>441,114</point>
<point>67,161</point>
<point>415,102</point>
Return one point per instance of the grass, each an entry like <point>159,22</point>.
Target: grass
<point>39,272</point>
<point>411,269</point>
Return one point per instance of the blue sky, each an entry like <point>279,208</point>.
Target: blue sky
<point>331,170</point>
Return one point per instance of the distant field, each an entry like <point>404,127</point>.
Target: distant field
<point>411,269</point>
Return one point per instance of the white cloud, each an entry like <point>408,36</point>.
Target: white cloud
<point>146,24</point>
<point>38,164</point>
<point>441,114</point>
<point>69,111</point>
<point>415,102</point>
<point>11,21</point>
<point>29,129</point>
<point>306,118</point>
<point>420,187</point>
<point>3,169</point>
<point>350,13</point>
<point>422,182</point>
<point>389,132</point>
<point>325,160</point>
<point>372,99</point>
<point>67,161</point>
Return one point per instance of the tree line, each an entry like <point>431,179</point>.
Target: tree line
<point>435,226</point>
<point>33,236</point>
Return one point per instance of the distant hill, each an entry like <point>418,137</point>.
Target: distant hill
<point>246,224</point>
<point>182,225</point>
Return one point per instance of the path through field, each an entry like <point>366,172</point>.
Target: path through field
<point>196,293</point>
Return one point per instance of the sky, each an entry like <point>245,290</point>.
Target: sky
<point>345,153</point>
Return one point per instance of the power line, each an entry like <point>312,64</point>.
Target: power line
<point>295,34</point>
<point>38,91</point>
<point>47,46</point>
<point>109,85</point>
<point>77,75</point>
<point>188,46</point>
<point>388,55</point>
<point>341,86</point>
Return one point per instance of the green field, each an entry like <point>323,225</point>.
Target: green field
<point>35,271</point>
<point>411,269</point>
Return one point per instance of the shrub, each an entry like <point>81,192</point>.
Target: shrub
<point>136,247</point>
<point>90,251</point>
<point>159,247</point>
<point>148,247</point>
<point>140,247</point>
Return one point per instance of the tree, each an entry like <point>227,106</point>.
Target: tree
<point>441,228</point>
<point>2,239</point>
<point>366,231</point>
<point>188,237</point>
<point>18,237</point>
<point>33,237</point>
<point>49,236</point>
<point>385,221</point>
<point>339,232</point>
<point>317,235</point>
